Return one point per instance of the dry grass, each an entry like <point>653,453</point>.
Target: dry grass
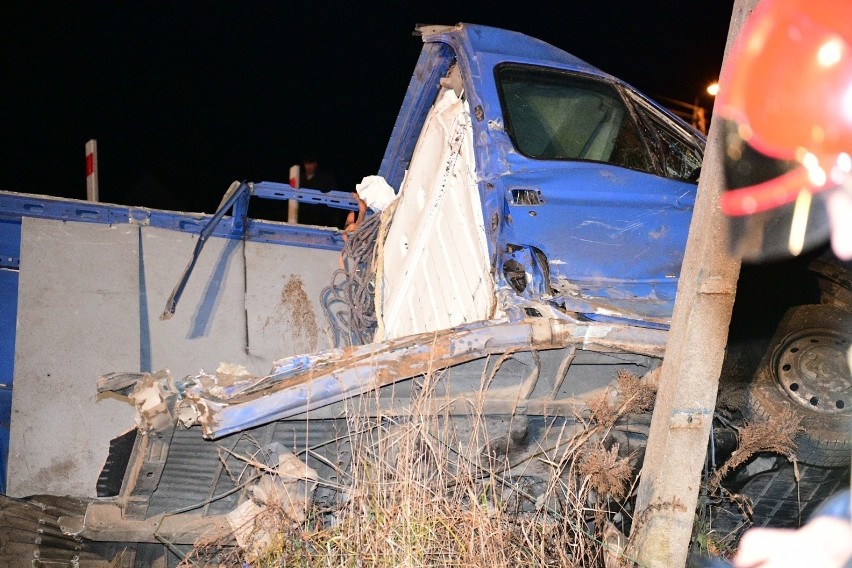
<point>606,472</point>
<point>631,396</point>
<point>436,490</point>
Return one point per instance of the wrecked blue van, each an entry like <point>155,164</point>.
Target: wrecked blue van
<point>527,224</point>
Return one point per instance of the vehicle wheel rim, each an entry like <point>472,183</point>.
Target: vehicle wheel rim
<point>812,369</point>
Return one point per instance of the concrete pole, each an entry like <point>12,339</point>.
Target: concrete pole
<point>689,378</point>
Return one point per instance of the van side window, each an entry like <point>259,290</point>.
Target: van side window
<point>551,115</point>
<point>680,157</point>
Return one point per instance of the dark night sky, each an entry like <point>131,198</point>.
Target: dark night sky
<point>188,96</point>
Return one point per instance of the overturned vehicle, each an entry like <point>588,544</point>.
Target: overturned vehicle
<point>509,292</point>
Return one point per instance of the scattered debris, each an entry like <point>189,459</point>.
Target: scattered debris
<point>153,395</point>
<point>280,498</point>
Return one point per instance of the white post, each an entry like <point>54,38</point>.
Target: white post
<point>292,204</point>
<point>92,170</point>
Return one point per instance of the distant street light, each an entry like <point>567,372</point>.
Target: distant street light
<point>695,112</point>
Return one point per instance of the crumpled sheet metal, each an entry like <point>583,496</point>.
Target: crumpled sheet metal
<point>342,373</point>
<point>231,400</point>
<point>153,395</point>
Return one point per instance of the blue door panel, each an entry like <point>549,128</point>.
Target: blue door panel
<point>615,233</point>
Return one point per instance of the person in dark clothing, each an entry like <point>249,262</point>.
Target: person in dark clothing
<point>311,176</point>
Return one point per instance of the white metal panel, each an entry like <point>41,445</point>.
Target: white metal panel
<point>82,313</point>
<point>434,272</point>
<point>209,325</point>
<point>248,309</point>
<point>285,316</point>
<point>78,318</point>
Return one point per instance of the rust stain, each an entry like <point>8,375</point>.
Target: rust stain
<point>296,314</point>
<point>58,469</point>
<point>642,519</point>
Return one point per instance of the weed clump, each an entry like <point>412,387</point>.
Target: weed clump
<point>774,435</point>
<point>606,472</point>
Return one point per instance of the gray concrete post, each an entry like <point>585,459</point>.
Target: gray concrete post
<point>686,397</point>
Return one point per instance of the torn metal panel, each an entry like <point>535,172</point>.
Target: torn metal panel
<point>434,271</point>
<point>153,396</point>
<point>459,390</point>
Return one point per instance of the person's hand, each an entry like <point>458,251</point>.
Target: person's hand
<point>825,542</point>
<point>353,220</point>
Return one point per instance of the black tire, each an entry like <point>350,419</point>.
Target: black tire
<point>782,500</point>
<point>806,370</point>
<point>833,281</point>
<point>780,497</point>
